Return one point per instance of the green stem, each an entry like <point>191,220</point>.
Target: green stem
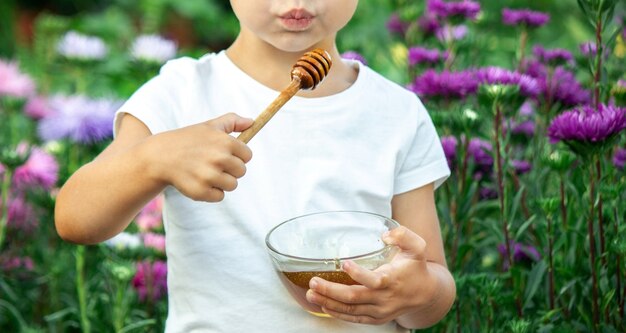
<point>118,310</point>
<point>4,219</point>
<point>522,48</point>
<point>81,288</point>
<point>563,202</point>
<point>600,208</point>
<point>592,251</point>
<point>551,284</point>
<point>502,195</point>
<point>598,71</point>
<point>500,179</point>
<point>620,298</point>
<point>451,49</point>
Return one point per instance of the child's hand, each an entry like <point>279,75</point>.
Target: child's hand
<point>202,161</point>
<point>403,286</point>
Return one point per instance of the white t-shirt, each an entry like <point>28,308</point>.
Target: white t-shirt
<point>349,151</point>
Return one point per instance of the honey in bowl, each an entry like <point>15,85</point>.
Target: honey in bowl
<point>297,284</point>
<point>317,245</point>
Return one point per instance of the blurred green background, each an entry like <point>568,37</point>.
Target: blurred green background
<point>208,25</point>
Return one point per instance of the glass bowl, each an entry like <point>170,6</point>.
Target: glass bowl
<point>317,244</point>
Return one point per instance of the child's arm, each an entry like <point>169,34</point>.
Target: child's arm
<point>415,289</point>
<point>102,197</point>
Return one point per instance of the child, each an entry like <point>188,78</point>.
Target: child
<point>356,142</point>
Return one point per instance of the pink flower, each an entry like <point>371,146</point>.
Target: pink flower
<point>150,281</point>
<point>14,83</point>
<point>449,33</point>
<point>151,216</point>
<point>21,215</point>
<point>40,170</point>
<point>154,241</point>
<point>16,263</point>
<point>37,108</point>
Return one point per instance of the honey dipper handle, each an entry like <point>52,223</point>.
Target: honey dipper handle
<point>270,111</point>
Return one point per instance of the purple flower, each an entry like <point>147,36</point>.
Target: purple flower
<point>480,151</point>
<point>524,17</point>
<point>13,82</point>
<point>565,89</point>
<point>529,87</point>
<point>449,144</point>
<point>487,193</point>
<point>444,85</point>
<point>588,49</point>
<point>22,215</point>
<point>79,119</point>
<point>521,254</point>
<point>395,25</point>
<point>37,107</point>
<point>74,45</point>
<point>464,9</point>
<point>352,55</point>
<point>8,264</point>
<point>560,86</point>
<point>587,125</point>
<point>553,56</point>
<point>420,55</point>
<point>525,128</point>
<point>429,24</point>
<point>521,167</point>
<point>527,109</point>
<point>41,170</point>
<point>449,33</point>
<point>153,48</point>
<point>619,158</point>
<point>150,281</point>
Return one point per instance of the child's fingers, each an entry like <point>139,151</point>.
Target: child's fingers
<point>359,319</point>
<point>231,122</point>
<point>409,242</point>
<point>233,166</point>
<point>378,279</point>
<point>354,294</point>
<point>356,313</point>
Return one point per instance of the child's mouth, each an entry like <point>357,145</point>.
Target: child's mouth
<point>297,19</point>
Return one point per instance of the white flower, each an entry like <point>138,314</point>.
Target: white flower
<point>78,46</point>
<point>153,48</point>
<point>124,240</point>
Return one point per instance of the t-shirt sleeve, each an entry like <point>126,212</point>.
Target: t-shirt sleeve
<point>155,102</point>
<point>425,161</point>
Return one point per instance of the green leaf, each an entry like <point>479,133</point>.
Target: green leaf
<point>524,226</point>
<point>613,36</point>
<point>550,315</point>
<point>583,7</point>
<point>14,311</point>
<point>534,281</point>
<point>516,204</point>
<point>56,316</point>
<point>607,299</point>
<point>138,324</point>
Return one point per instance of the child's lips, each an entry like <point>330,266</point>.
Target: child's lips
<point>297,19</point>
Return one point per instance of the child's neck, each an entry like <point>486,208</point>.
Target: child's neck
<point>272,68</point>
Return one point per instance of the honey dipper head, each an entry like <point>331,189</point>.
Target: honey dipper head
<point>312,68</point>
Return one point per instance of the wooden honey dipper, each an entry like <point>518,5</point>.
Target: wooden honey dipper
<point>307,73</point>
